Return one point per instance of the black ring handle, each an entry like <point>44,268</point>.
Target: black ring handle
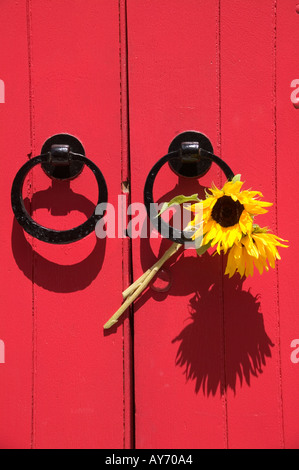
<point>188,151</point>
<point>50,235</point>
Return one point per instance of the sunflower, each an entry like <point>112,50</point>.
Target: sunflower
<point>256,249</point>
<point>227,214</point>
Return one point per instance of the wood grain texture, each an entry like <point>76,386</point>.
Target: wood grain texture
<point>178,335</point>
<point>252,335</point>
<point>128,353</point>
<point>205,363</point>
<point>69,63</point>
<point>16,289</point>
<point>287,120</point>
<point>78,391</point>
<point>228,78</point>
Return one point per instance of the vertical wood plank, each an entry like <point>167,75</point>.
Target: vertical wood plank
<point>252,334</point>
<point>78,372</point>
<point>287,224</point>
<point>129,434</point>
<point>178,335</point>
<point>16,290</point>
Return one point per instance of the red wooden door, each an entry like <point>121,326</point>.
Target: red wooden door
<point>63,381</point>
<point>209,362</point>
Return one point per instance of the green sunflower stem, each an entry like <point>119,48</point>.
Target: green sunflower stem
<point>134,291</point>
<point>129,291</point>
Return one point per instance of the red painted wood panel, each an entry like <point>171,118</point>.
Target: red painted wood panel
<point>69,377</point>
<point>287,120</point>
<point>174,86</point>
<point>212,355</point>
<point>211,365</point>
<point>252,317</point>
<point>76,89</point>
<point>16,289</point>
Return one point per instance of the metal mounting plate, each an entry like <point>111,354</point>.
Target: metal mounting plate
<point>191,169</point>
<point>70,171</point>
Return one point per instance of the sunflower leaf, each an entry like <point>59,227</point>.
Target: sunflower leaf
<point>258,229</point>
<point>177,200</point>
<point>202,249</point>
<point>236,178</point>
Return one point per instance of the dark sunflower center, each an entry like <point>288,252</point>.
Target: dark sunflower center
<point>227,212</point>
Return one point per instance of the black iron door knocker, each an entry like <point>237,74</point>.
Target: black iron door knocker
<point>62,158</point>
<point>190,155</point>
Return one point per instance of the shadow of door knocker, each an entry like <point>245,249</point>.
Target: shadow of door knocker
<point>62,158</point>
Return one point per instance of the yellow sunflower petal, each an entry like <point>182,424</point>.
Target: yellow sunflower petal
<point>231,265</point>
<point>250,246</point>
<point>260,264</point>
<point>245,222</point>
<point>231,187</point>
